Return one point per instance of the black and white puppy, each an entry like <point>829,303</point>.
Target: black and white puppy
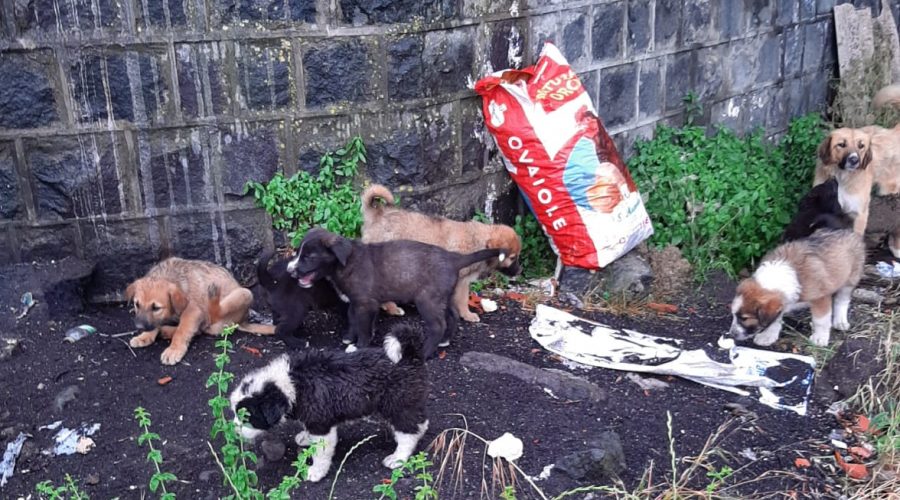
<point>290,302</point>
<point>323,389</point>
<point>820,208</point>
<point>391,271</point>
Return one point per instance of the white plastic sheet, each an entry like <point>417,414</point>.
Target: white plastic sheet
<point>779,380</point>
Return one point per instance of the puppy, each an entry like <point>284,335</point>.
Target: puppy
<point>402,270</point>
<point>325,389</point>
<point>174,298</point>
<point>859,159</point>
<point>384,222</point>
<point>894,242</point>
<point>818,209</point>
<point>813,271</point>
<point>289,302</point>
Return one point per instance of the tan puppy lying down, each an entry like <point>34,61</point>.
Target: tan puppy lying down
<point>179,298</point>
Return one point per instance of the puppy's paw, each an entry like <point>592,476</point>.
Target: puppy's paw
<point>396,311</point>
<point>841,324</point>
<point>470,317</point>
<point>764,340</point>
<point>318,470</point>
<point>142,340</point>
<point>302,439</point>
<point>819,339</point>
<point>444,343</point>
<point>351,349</point>
<point>172,355</point>
<point>394,460</point>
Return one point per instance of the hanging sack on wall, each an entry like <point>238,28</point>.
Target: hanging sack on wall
<point>567,167</point>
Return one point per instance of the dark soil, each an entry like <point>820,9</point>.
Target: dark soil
<point>112,381</point>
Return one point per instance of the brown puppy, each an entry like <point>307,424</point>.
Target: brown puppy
<point>859,159</point>
<point>813,271</point>
<point>180,298</point>
<point>384,222</point>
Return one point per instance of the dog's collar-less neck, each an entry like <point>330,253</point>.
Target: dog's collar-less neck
<point>779,276</point>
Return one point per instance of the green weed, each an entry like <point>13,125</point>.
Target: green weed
<point>326,199</point>
<point>537,258</point>
<point>159,478</point>
<point>722,199</point>
<point>418,465</point>
<point>69,490</point>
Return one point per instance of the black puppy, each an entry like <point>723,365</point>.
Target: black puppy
<point>323,389</point>
<point>398,271</point>
<point>290,302</point>
<point>819,209</point>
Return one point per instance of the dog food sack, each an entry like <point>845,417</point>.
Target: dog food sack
<point>567,167</point>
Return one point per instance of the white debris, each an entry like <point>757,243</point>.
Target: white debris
<point>51,427</point>
<point>726,342</point>
<point>68,441</point>
<point>647,384</point>
<point>748,454</point>
<point>488,305</point>
<point>506,446</point>
<point>8,465</point>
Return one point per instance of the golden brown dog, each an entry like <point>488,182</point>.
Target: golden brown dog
<point>179,298</point>
<point>815,271</point>
<point>384,222</point>
<point>859,159</point>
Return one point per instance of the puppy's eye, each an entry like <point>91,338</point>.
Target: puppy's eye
<point>842,145</point>
<point>155,307</point>
<point>862,146</point>
<point>137,305</point>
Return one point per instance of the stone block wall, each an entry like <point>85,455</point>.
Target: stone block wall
<point>128,128</point>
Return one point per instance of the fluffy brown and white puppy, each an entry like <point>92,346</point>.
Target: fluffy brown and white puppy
<point>370,274</point>
<point>179,298</point>
<point>323,389</point>
<point>858,159</point>
<point>382,221</point>
<point>820,271</point>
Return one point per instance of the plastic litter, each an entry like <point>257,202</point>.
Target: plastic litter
<point>79,332</point>
<point>69,441</point>
<point>27,303</point>
<point>780,380</point>
<point>887,270</point>
<point>8,465</point>
<point>506,446</point>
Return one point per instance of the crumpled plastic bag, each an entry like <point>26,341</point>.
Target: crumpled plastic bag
<point>779,380</point>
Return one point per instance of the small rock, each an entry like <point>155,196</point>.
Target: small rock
<point>561,383</point>
<point>646,383</point>
<point>867,296</point>
<point>92,479</point>
<point>8,347</point>
<point>629,276</point>
<point>65,396</point>
<point>571,299</point>
<point>603,460</point>
<point>273,450</point>
<point>207,475</point>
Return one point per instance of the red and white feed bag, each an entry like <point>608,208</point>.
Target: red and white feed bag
<point>567,167</point>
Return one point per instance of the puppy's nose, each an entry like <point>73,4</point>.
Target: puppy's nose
<point>141,324</point>
<point>853,159</point>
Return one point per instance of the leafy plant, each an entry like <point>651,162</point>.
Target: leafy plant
<point>718,477</point>
<point>537,258</point>
<point>327,198</point>
<point>693,108</point>
<point>722,199</point>
<point>159,478</point>
<point>418,466</point>
<point>68,490</point>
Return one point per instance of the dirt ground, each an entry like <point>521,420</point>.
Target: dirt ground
<point>111,381</point>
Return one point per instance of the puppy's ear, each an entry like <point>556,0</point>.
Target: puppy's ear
<point>130,291</point>
<point>867,158</point>
<point>341,248</point>
<point>768,311</point>
<point>824,151</point>
<point>177,299</point>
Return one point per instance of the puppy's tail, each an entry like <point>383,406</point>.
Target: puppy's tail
<point>262,270</point>
<point>403,345</point>
<point>373,197</point>
<point>887,97</point>
<point>464,260</point>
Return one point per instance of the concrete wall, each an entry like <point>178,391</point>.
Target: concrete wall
<point>129,127</point>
